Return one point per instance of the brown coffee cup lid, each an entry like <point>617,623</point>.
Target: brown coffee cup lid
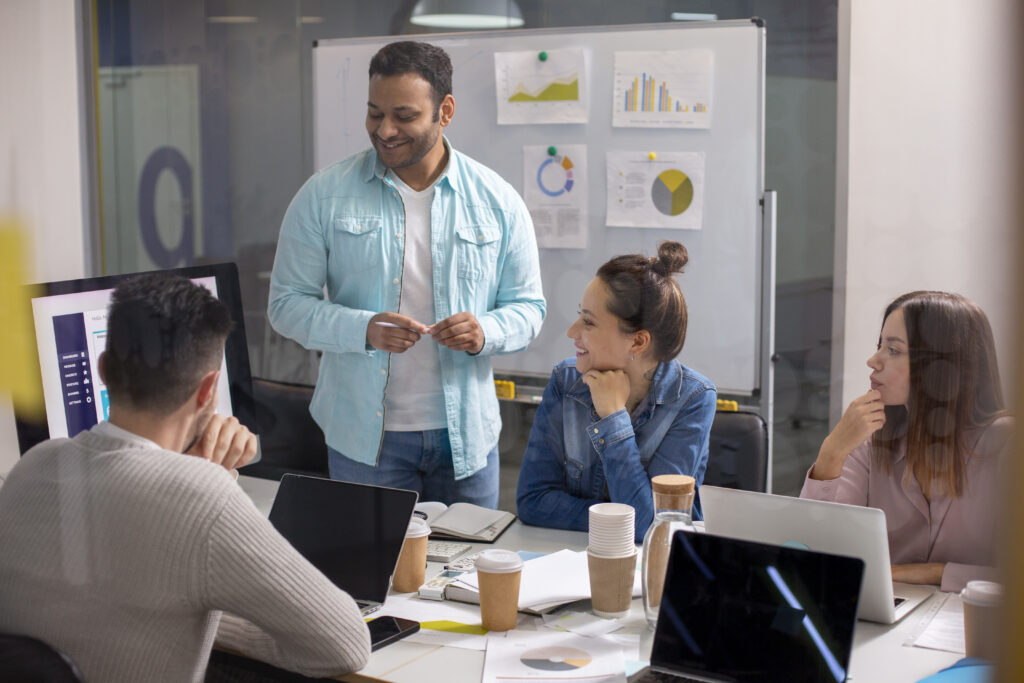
<point>673,484</point>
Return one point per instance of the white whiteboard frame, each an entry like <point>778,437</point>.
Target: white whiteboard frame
<point>730,288</point>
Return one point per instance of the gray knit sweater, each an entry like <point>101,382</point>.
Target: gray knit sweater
<point>122,555</point>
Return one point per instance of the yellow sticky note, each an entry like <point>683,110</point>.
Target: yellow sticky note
<point>19,367</point>
<point>454,627</point>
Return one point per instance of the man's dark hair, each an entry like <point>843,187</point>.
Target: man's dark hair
<point>426,60</point>
<point>163,334</point>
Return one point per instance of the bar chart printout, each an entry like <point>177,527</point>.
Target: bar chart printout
<point>667,89</point>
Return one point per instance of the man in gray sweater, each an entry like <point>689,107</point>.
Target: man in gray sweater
<point>128,553</point>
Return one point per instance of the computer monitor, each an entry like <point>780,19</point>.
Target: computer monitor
<point>70,328</point>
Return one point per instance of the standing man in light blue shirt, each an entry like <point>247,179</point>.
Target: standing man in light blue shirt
<point>430,266</point>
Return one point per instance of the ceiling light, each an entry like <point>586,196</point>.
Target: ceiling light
<point>469,14</point>
<point>693,16</point>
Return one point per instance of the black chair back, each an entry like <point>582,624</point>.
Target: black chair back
<point>290,440</point>
<point>738,456</point>
<point>29,660</point>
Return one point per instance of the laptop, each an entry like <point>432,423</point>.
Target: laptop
<point>352,533</point>
<point>736,610</point>
<point>828,527</point>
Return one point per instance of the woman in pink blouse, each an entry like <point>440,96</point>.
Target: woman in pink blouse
<point>924,444</point>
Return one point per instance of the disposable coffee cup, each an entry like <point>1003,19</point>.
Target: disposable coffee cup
<point>611,584</point>
<point>498,572</point>
<point>412,563</point>
<point>982,603</point>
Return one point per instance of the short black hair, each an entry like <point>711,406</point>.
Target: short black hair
<point>164,333</point>
<point>409,56</point>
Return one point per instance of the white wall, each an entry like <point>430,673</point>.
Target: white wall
<point>925,168</point>
<point>41,181</point>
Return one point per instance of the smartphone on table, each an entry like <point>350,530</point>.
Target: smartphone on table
<point>386,630</point>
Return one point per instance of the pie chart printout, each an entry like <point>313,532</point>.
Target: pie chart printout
<point>672,192</point>
<point>555,658</point>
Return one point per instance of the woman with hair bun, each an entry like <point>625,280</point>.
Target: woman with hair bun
<point>924,443</point>
<point>623,410</point>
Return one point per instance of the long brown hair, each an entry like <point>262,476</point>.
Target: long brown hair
<point>954,389</point>
<point>645,296</point>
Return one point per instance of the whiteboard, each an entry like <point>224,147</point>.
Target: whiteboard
<point>723,281</point>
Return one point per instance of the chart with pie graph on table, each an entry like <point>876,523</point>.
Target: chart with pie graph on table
<point>555,658</point>
<point>672,192</point>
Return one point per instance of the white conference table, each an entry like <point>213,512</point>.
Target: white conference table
<point>879,654</point>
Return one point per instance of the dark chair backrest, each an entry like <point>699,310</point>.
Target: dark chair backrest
<point>29,660</point>
<point>290,440</point>
<point>738,456</point>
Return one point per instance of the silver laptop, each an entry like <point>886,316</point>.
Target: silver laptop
<point>352,533</point>
<point>827,527</point>
<point>748,612</point>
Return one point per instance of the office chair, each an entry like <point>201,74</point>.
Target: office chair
<point>290,440</point>
<point>738,451</point>
<point>29,660</point>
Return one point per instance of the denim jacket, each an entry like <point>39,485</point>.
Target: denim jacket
<point>575,459</point>
<point>344,230</point>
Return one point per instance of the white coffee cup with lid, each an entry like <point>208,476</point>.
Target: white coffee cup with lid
<point>498,572</point>
<point>983,602</point>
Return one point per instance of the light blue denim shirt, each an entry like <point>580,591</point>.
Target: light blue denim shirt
<point>575,459</point>
<point>345,229</point>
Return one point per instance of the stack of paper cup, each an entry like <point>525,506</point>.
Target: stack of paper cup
<point>611,558</point>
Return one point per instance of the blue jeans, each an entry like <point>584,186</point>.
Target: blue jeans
<point>421,462</point>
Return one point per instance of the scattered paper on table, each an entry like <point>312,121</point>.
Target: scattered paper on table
<point>531,90</point>
<point>582,623</point>
<point>555,192</point>
<point>665,89</point>
<point>664,192</point>
<point>942,626</point>
<point>550,656</point>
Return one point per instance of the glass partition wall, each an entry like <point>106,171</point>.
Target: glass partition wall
<point>204,135</point>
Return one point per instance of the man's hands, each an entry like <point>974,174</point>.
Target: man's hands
<point>460,332</point>
<point>609,390</point>
<point>864,416</point>
<point>397,333</point>
<point>225,442</point>
<point>394,332</point>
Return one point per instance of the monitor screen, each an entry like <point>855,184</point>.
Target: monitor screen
<point>70,325</point>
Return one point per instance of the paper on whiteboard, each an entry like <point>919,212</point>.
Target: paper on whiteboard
<point>534,91</point>
<point>664,192</point>
<point>555,192</point>
<point>665,89</point>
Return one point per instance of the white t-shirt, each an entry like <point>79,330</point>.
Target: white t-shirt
<point>413,399</point>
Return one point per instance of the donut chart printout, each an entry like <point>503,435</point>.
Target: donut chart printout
<point>555,192</point>
<point>664,192</point>
<point>553,656</point>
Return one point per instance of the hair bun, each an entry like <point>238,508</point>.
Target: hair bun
<point>672,258</point>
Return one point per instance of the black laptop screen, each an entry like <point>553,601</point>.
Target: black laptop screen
<point>743,611</point>
<point>352,533</point>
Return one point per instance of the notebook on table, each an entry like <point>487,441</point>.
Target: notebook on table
<point>748,612</point>
<point>828,527</point>
<point>352,533</point>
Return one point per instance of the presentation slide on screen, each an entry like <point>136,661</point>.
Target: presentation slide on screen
<point>71,333</point>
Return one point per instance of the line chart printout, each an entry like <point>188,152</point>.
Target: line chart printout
<point>665,192</point>
<point>665,89</point>
<point>541,87</point>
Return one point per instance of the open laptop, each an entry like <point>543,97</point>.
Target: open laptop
<point>741,611</point>
<point>353,533</point>
<point>828,527</point>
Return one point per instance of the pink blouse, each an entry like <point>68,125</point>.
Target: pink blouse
<point>958,531</point>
